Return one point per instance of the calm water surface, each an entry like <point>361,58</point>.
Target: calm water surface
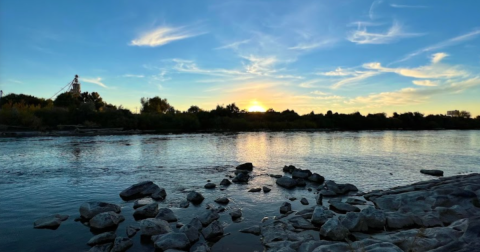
<point>43,176</point>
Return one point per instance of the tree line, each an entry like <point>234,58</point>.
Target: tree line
<point>90,110</point>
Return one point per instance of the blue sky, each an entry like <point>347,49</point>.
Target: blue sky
<point>345,56</point>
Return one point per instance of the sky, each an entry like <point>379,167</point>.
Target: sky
<point>345,56</point>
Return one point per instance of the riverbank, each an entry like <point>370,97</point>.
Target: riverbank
<point>436,215</point>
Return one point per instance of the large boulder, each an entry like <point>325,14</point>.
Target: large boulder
<point>236,213</point>
<point>152,226</point>
<point>375,218</point>
<point>121,244</point>
<point>321,215</point>
<point>343,207</point>
<point>106,220</point>
<point>90,209</point>
<point>334,230</point>
<point>355,222</point>
<point>316,178</point>
<point>148,211</point>
<point>195,197</point>
<point>241,178</point>
<point>172,241</point>
<point>303,174</point>
<point>222,200</point>
<point>340,189</point>
<point>397,220</point>
<point>255,230</point>
<point>212,231</point>
<point>289,168</point>
<point>50,222</point>
<point>142,189</point>
<point>225,182</point>
<point>245,167</point>
<point>210,186</point>
<point>432,172</point>
<point>166,214</point>
<point>191,232</point>
<point>102,238</point>
<point>286,182</point>
<point>301,223</point>
<point>285,208</point>
<point>208,217</point>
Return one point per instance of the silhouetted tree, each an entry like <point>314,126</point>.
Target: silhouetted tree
<point>154,105</point>
<point>194,109</point>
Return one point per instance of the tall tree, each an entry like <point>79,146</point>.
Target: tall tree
<point>154,105</point>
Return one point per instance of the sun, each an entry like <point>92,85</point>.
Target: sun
<point>256,107</point>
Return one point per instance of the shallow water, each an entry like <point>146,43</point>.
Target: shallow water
<point>43,176</point>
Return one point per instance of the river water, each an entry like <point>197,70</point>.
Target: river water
<point>44,175</point>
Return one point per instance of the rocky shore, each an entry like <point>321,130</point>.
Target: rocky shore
<point>442,214</point>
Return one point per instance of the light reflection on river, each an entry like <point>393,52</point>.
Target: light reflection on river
<point>44,175</point>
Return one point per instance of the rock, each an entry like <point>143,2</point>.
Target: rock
<point>472,232</point>
<point>396,220</point>
<point>166,215</point>
<point>184,204</point>
<point>245,167</point>
<point>251,230</point>
<point>354,201</point>
<point>172,241</point>
<point>316,178</point>
<point>319,199</point>
<point>306,213</point>
<point>222,200</point>
<point>285,208</point>
<point>195,197</point>
<point>106,220</point>
<point>214,230</point>
<point>196,223</point>
<point>210,186</point>
<point>132,231</point>
<point>432,172</point>
<point>257,189</point>
<point>292,198</point>
<point>275,175</point>
<point>289,169</point>
<point>266,189</point>
<point>241,178</point>
<point>334,230</point>
<point>148,211</point>
<point>191,232</point>
<point>301,182</point>
<point>375,218</point>
<point>225,182</point>
<point>321,215</point>
<point>355,222</point>
<point>382,247</point>
<point>343,207</point>
<point>90,209</point>
<point>286,182</point>
<point>152,226</point>
<point>327,193</point>
<point>451,214</point>
<point>200,247</point>
<point>340,189</point>
<point>300,222</point>
<point>142,189</point>
<point>304,201</point>
<point>102,238</point>
<point>236,213</point>
<point>303,174</point>
<point>159,194</point>
<point>101,248</point>
<point>121,244</point>
<point>50,222</point>
<point>142,202</point>
<point>208,217</point>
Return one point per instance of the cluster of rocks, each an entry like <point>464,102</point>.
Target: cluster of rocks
<point>299,178</point>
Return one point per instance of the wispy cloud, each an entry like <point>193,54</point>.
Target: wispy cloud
<point>233,45</point>
<point>437,57</point>
<point>133,76</point>
<point>362,36</point>
<point>164,35</point>
<point>96,81</point>
<point>338,72</point>
<point>316,92</point>
<point>435,71</point>
<point>358,76</point>
<point>15,81</point>
<point>374,4</point>
<point>312,45</point>
<point>408,6</point>
<point>426,83</point>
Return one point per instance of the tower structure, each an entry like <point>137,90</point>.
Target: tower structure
<point>76,86</point>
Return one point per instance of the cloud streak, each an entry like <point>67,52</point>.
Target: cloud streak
<point>96,81</point>
<point>164,35</point>
<point>362,36</point>
<point>402,6</point>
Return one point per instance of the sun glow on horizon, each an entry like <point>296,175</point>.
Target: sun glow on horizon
<point>256,107</point>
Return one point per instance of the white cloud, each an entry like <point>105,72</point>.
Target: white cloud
<point>316,92</point>
<point>233,45</point>
<point>426,83</point>
<point>357,77</point>
<point>372,7</point>
<point>96,81</point>
<point>434,71</point>
<point>362,36</point>
<point>133,76</point>
<point>408,6</point>
<point>338,72</point>
<point>164,35</point>
<point>437,57</point>
<point>312,45</point>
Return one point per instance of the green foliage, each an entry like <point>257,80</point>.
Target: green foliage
<point>154,105</point>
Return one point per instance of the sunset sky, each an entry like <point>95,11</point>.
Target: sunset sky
<point>344,56</point>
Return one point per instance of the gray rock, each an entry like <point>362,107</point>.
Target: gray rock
<point>343,207</point>
<point>195,222</point>
<point>316,178</point>
<point>353,201</point>
<point>106,220</point>
<point>340,189</point>
<point>355,222</point>
<point>303,174</point>
<point>90,209</point>
<point>451,214</point>
<point>208,217</point>
<point>396,220</point>
<point>200,247</point>
<point>245,167</point>
<point>139,190</point>
<point>286,182</point>
<point>184,204</point>
<point>191,232</point>
<point>306,213</point>
<point>309,246</point>
<point>172,241</point>
<point>432,172</point>
<point>300,222</point>
<point>195,197</point>
<point>289,169</point>
<point>266,189</point>
<point>275,175</point>
<point>472,232</point>
<point>121,244</point>
<point>241,178</point>
<point>225,182</point>
<point>292,198</point>
<point>251,230</point>
<point>142,202</point>
<point>321,215</point>
<point>166,215</point>
<point>148,211</point>
<point>50,222</point>
<point>327,193</point>
<point>257,189</point>
<point>375,218</point>
<point>285,208</point>
<point>159,194</point>
<point>301,182</point>
<point>101,248</point>
<point>319,199</point>
<point>132,231</point>
<point>382,247</point>
<point>102,238</point>
<point>152,226</point>
<point>222,200</point>
<point>214,230</point>
<point>236,213</point>
<point>210,186</point>
<point>333,247</point>
<point>304,201</point>
<point>334,230</point>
